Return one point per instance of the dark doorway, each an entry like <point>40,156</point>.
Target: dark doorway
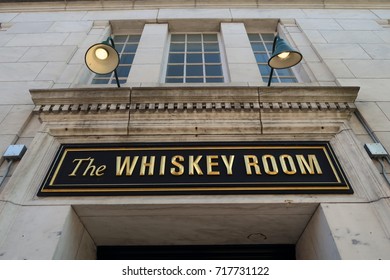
<point>196,252</point>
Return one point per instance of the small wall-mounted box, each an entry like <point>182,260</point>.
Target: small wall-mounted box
<point>375,150</point>
<point>15,152</point>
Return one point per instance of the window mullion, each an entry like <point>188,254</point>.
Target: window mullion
<point>203,58</point>
<point>185,58</point>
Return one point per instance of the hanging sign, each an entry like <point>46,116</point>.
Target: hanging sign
<point>195,168</point>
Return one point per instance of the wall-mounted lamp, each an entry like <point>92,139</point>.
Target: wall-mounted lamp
<point>283,56</point>
<point>103,58</point>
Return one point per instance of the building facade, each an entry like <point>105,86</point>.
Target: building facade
<point>155,163</point>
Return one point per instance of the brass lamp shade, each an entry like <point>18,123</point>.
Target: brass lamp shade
<point>283,55</point>
<point>102,58</point>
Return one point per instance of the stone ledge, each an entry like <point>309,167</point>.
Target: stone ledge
<point>194,98</point>
<point>195,110</point>
<point>72,96</point>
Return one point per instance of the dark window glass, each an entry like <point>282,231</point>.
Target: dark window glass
<point>194,70</point>
<point>127,59</point>
<point>264,70</point>
<point>120,39</point>
<point>262,57</point>
<point>254,37</point>
<point>175,70</point>
<point>119,47</point>
<point>213,70</point>
<point>194,58</point>
<point>178,38</point>
<point>194,80</point>
<point>199,58</point>
<point>268,37</point>
<point>269,47</point>
<point>177,47</point>
<point>134,38</point>
<point>194,47</point>
<point>258,47</point>
<point>194,38</point>
<point>212,58</point>
<point>214,80</point>
<point>210,37</point>
<point>174,80</point>
<point>176,58</point>
<point>285,72</point>
<point>123,71</point>
<point>211,47</point>
<point>131,48</point>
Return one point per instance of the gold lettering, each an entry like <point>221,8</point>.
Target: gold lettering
<point>311,166</point>
<point>251,161</point>
<point>210,164</point>
<point>284,165</point>
<point>194,164</point>
<point>120,167</point>
<point>180,167</point>
<point>275,169</point>
<point>100,169</point>
<point>80,160</point>
<point>228,164</point>
<point>162,165</point>
<point>145,164</point>
<point>92,169</point>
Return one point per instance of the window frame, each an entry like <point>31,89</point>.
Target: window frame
<point>185,63</point>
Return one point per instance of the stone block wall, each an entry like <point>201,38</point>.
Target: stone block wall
<point>45,50</point>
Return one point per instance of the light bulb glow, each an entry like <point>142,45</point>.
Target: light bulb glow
<point>283,55</point>
<point>101,53</point>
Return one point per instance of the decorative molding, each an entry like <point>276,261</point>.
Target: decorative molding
<point>193,110</point>
<point>194,106</point>
<point>92,100</point>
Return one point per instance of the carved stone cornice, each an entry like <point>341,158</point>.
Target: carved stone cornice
<point>260,108</point>
<point>91,100</point>
<point>195,106</point>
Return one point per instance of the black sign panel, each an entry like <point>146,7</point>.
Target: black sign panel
<point>195,168</point>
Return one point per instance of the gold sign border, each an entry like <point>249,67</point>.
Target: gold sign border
<point>324,147</point>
